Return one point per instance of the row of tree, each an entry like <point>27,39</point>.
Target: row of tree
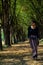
<point>16,16</point>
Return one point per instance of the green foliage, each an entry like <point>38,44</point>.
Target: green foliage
<point>22,12</point>
<point>26,10</point>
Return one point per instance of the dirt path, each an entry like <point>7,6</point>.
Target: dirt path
<point>20,54</point>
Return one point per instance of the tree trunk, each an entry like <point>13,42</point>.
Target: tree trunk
<point>5,8</point>
<point>0,39</point>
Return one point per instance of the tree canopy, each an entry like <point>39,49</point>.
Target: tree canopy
<point>16,15</point>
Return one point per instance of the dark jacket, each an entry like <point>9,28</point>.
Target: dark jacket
<point>33,32</point>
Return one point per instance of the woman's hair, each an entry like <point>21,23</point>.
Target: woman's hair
<point>34,21</point>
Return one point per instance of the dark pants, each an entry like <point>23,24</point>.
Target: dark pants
<point>34,44</point>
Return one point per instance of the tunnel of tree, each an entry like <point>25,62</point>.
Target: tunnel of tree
<point>16,16</point>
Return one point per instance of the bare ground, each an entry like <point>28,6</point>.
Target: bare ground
<point>20,54</point>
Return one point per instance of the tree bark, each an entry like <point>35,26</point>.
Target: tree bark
<point>6,25</point>
<point>0,39</point>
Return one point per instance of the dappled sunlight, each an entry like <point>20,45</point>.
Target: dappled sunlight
<point>33,63</point>
<point>21,22</point>
<point>20,54</point>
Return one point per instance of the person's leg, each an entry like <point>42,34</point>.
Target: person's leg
<point>35,54</point>
<point>34,48</point>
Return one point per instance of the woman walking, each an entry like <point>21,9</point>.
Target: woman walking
<point>33,34</point>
